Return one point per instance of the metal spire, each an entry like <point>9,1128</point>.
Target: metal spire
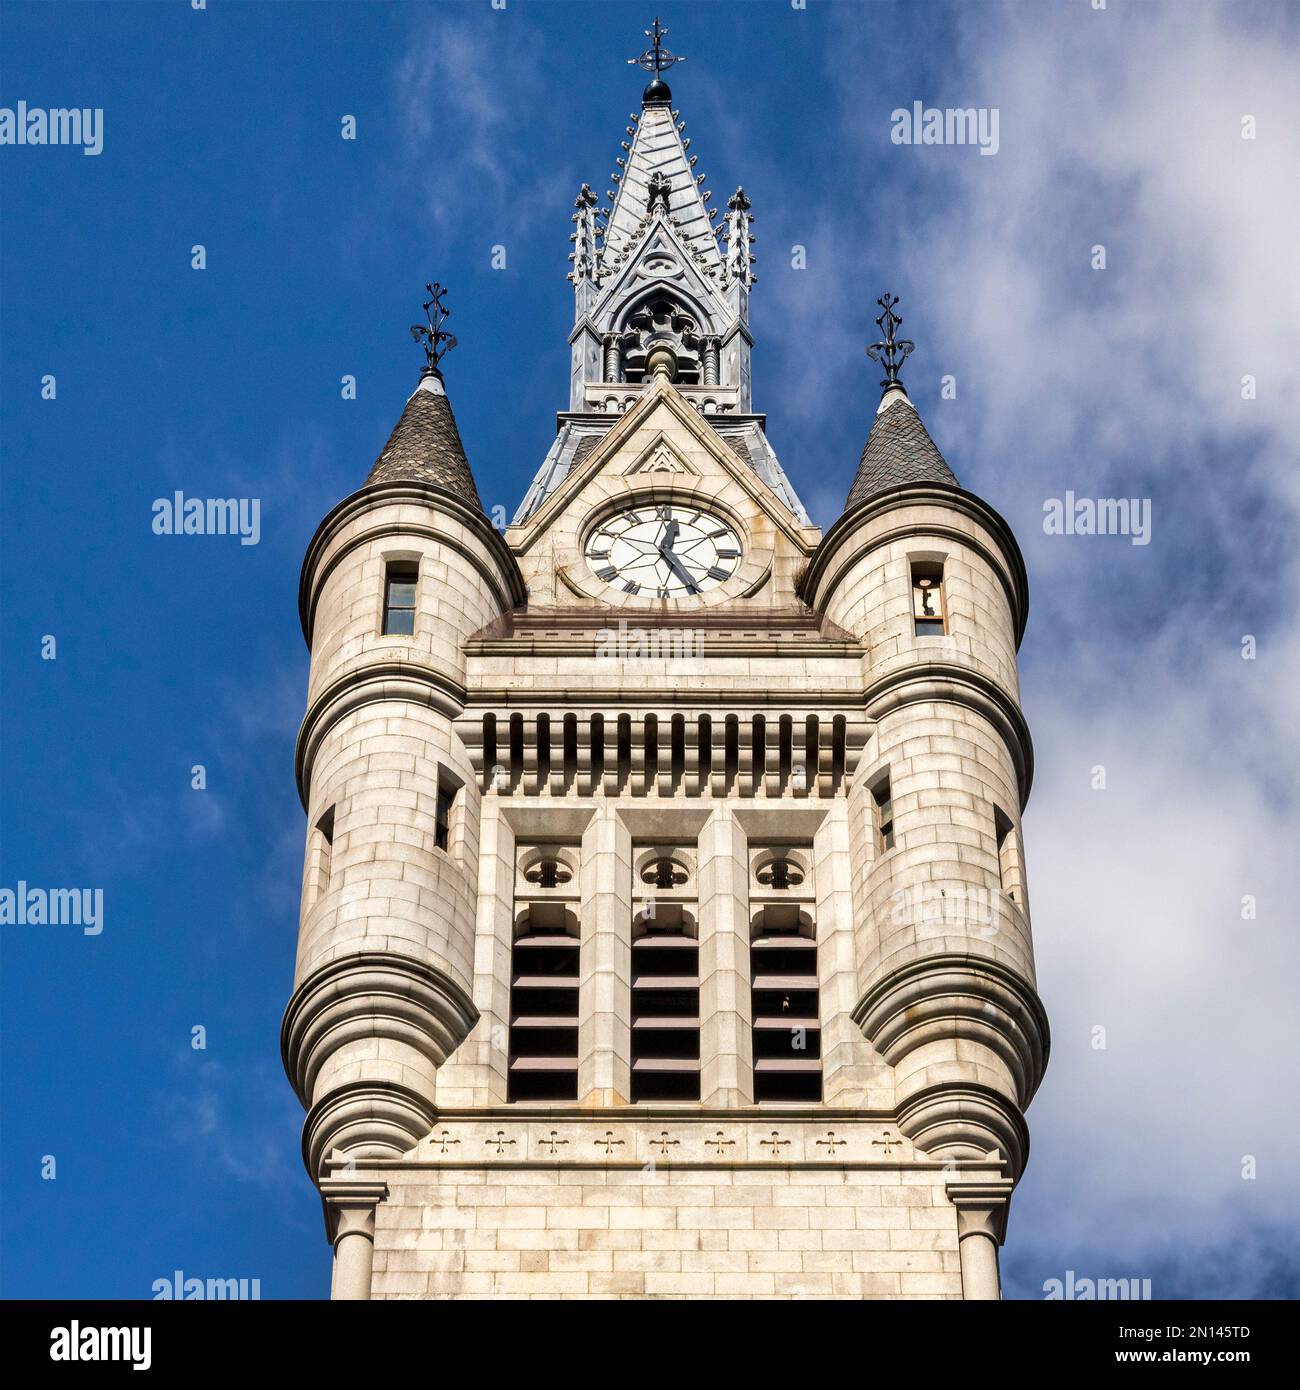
<point>437,344</point>
<point>891,350</point>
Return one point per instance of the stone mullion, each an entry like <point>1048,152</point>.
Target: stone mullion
<point>605,962</point>
<point>837,972</point>
<point>726,1042</point>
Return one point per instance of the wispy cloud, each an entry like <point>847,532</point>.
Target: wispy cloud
<point>241,1119</point>
<point>463,93</point>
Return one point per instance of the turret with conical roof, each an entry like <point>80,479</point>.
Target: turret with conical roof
<point>395,580</point>
<point>898,452</point>
<point>425,446</point>
<point>931,580</point>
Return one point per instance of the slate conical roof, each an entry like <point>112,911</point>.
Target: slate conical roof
<point>425,445</point>
<point>899,451</point>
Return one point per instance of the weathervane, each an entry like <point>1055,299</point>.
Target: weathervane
<point>656,59</point>
<point>437,344</point>
<point>890,351</point>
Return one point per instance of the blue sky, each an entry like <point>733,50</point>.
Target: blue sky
<point>475,127</point>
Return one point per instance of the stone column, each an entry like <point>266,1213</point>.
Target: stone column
<point>981,1228</point>
<point>726,1039</point>
<point>605,963</point>
<point>611,357</point>
<point>712,347</point>
<point>350,1221</point>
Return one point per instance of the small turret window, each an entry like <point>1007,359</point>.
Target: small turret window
<point>927,599</point>
<point>321,852</point>
<point>1009,870</point>
<point>884,800</point>
<point>399,600</point>
<point>442,815</point>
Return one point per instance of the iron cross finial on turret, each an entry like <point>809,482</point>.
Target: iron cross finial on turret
<point>891,350</point>
<point>437,344</point>
<point>656,59</point>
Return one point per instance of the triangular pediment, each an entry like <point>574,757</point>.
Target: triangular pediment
<point>661,258</point>
<point>660,457</point>
<point>663,443</point>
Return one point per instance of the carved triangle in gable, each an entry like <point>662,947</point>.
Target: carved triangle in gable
<point>660,457</point>
<point>660,258</point>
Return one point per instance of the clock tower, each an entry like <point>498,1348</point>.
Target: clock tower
<point>664,923</point>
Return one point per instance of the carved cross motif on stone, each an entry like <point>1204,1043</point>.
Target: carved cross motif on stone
<point>445,1140</point>
<point>720,1143</point>
<point>608,1140</point>
<point>887,1143</point>
<point>554,1140</point>
<point>776,1143</point>
<point>831,1143</point>
<point>500,1140</point>
<point>664,1143</point>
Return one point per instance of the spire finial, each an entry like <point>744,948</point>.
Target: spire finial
<point>437,344</point>
<point>891,350</point>
<point>656,59</point>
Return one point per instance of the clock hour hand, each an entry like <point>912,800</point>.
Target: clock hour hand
<point>673,563</point>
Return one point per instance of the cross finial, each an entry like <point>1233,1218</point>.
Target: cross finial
<point>891,350</point>
<point>437,344</point>
<point>657,58</point>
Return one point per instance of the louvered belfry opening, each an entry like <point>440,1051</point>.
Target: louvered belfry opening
<point>665,978</point>
<point>783,963</point>
<point>543,1046</point>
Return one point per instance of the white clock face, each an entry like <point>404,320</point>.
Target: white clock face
<point>663,551</point>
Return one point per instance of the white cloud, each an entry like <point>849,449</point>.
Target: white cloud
<point>460,91</point>
<point>1123,128</point>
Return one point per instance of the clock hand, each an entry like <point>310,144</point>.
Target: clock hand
<point>679,570</point>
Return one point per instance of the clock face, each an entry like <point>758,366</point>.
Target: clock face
<point>664,551</point>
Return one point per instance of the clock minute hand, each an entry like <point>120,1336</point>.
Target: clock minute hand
<point>680,571</point>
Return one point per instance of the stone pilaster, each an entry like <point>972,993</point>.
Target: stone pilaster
<point>605,962</point>
<point>726,1050</point>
